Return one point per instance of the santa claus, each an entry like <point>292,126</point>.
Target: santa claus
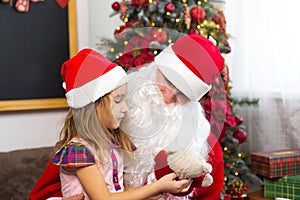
<point>164,112</point>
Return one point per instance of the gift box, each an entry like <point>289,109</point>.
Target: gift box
<point>275,164</point>
<point>285,187</point>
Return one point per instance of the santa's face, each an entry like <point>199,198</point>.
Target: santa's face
<point>118,105</point>
<point>169,92</point>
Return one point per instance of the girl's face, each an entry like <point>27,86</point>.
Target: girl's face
<point>118,105</point>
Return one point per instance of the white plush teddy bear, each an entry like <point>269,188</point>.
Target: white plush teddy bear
<point>186,165</point>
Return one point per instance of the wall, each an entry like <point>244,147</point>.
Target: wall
<point>31,129</point>
<point>100,24</point>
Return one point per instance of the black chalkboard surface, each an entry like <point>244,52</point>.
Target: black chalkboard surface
<point>33,46</point>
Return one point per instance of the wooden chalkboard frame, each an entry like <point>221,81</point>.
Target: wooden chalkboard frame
<point>50,103</point>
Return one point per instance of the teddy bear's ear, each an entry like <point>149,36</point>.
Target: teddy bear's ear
<point>171,152</point>
<point>161,159</point>
<point>156,150</point>
<point>178,150</point>
<point>207,180</point>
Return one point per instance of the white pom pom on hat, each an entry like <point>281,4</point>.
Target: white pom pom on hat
<point>88,76</point>
<point>191,64</point>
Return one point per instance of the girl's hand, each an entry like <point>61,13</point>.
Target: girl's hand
<point>75,197</point>
<point>169,184</point>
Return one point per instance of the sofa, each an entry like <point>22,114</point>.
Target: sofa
<point>20,170</point>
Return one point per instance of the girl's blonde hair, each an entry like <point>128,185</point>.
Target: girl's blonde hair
<point>84,123</point>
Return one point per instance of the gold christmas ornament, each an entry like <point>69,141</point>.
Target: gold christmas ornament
<point>136,53</point>
<point>203,32</point>
<point>214,34</point>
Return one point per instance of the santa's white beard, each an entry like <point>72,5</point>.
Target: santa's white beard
<point>151,123</point>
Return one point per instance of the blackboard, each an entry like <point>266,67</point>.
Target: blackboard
<point>33,46</point>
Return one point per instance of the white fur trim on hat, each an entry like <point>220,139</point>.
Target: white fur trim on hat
<point>93,90</point>
<point>180,75</point>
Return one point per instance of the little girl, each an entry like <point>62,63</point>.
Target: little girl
<point>91,146</point>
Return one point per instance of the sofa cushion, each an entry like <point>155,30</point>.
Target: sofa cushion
<point>20,170</point>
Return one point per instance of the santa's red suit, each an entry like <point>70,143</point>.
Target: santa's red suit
<point>150,123</point>
<point>216,160</point>
<point>48,185</point>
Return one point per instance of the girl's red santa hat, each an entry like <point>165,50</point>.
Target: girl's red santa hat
<point>191,64</point>
<point>88,76</point>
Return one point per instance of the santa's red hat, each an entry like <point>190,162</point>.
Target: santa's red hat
<point>192,63</point>
<point>88,76</point>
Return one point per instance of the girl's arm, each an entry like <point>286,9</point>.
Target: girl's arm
<point>94,184</point>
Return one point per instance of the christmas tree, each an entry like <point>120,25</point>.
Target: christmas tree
<point>150,26</point>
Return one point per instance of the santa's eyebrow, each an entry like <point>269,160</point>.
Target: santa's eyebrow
<point>179,93</point>
<point>170,84</point>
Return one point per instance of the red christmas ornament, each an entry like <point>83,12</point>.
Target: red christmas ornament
<point>197,14</point>
<point>220,19</point>
<point>160,35</point>
<point>239,193</point>
<point>227,165</point>
<point>227,49</point>
<point>116,6</point>
<point>240,135</point>
<point>239,120</point>
<point>245,188</point>
<point>169,7</point>
<point>193,31</point>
